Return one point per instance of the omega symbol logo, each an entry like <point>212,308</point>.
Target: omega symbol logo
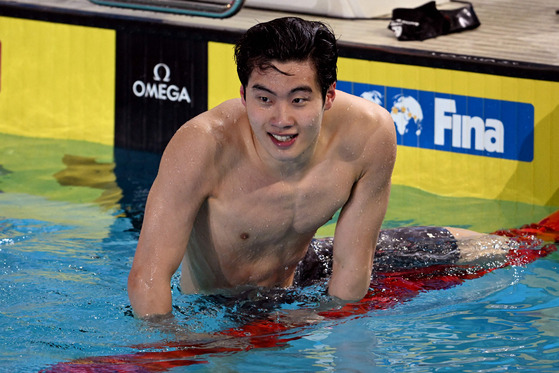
<point>159,89</point>
<point>166,70</point>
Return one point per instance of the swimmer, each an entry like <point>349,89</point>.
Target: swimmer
<point>242,188</point>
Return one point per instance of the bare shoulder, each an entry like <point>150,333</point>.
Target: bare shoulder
<point>212,123</point>
<point>209,132</point>
<point>364,127</point>
<point>362,114</point>
<point>204,141</point>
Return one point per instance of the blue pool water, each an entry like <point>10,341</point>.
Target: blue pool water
<point>70,214</point>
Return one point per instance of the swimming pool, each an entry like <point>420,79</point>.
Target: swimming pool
<point>70,214</point>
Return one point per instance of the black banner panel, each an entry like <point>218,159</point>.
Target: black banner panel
<point>160,84</point>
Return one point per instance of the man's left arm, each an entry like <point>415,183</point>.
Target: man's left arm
<point>361,217</point>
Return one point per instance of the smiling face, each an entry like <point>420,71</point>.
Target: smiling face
<point>285,109</point>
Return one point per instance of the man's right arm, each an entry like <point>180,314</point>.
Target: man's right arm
<point>183,183</point>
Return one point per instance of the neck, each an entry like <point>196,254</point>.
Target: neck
<point>291,168</point>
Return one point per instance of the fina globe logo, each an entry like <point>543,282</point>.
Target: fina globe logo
<point>459,124</point>
<point>160,90</point>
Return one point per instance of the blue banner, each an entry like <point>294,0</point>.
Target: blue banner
<point>454,123</point>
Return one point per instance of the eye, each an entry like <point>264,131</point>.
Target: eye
<point>264,99</point>
<point>299,100</point>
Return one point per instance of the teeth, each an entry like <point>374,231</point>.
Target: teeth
<point>283,138</point>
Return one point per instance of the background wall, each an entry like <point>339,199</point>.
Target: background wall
<point>133,86</point>
<point>57,80</point>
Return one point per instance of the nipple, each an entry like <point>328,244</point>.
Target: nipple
<point>244,236</point>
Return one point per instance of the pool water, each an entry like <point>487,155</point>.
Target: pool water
<point>70,214</point>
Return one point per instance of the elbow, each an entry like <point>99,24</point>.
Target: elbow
<point>137,282</point>
<point>350,282</point>
<point>147,298</point>
<point>135,293</point>
<point>349,297</point>
<point>133,284</point>
<point>350,292</point>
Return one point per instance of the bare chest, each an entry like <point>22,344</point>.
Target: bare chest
<point>276,210</point>
<point>255,232</point>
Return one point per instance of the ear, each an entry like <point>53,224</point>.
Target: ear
<point>243,95</point>
<point>330,96</point>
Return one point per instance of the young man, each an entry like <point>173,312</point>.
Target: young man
<point>242,188</point>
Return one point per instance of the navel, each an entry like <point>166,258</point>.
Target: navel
<point>244,236</point>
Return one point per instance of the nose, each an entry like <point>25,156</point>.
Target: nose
<point>282,117</point>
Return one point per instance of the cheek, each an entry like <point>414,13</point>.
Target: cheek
<point>255,118</point>
<point>315,122</point>
<point>258,126</point>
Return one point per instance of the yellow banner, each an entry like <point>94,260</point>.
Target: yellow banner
<point>223,82</point>
<point>455,174</point>
<point>57,80</point>
<point>535,181</point>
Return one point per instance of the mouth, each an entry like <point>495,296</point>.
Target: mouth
<point>282,140</point>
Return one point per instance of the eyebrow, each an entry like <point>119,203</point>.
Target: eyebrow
<point>302,88</point>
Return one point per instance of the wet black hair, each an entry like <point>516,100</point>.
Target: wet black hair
<point>288,39</point>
